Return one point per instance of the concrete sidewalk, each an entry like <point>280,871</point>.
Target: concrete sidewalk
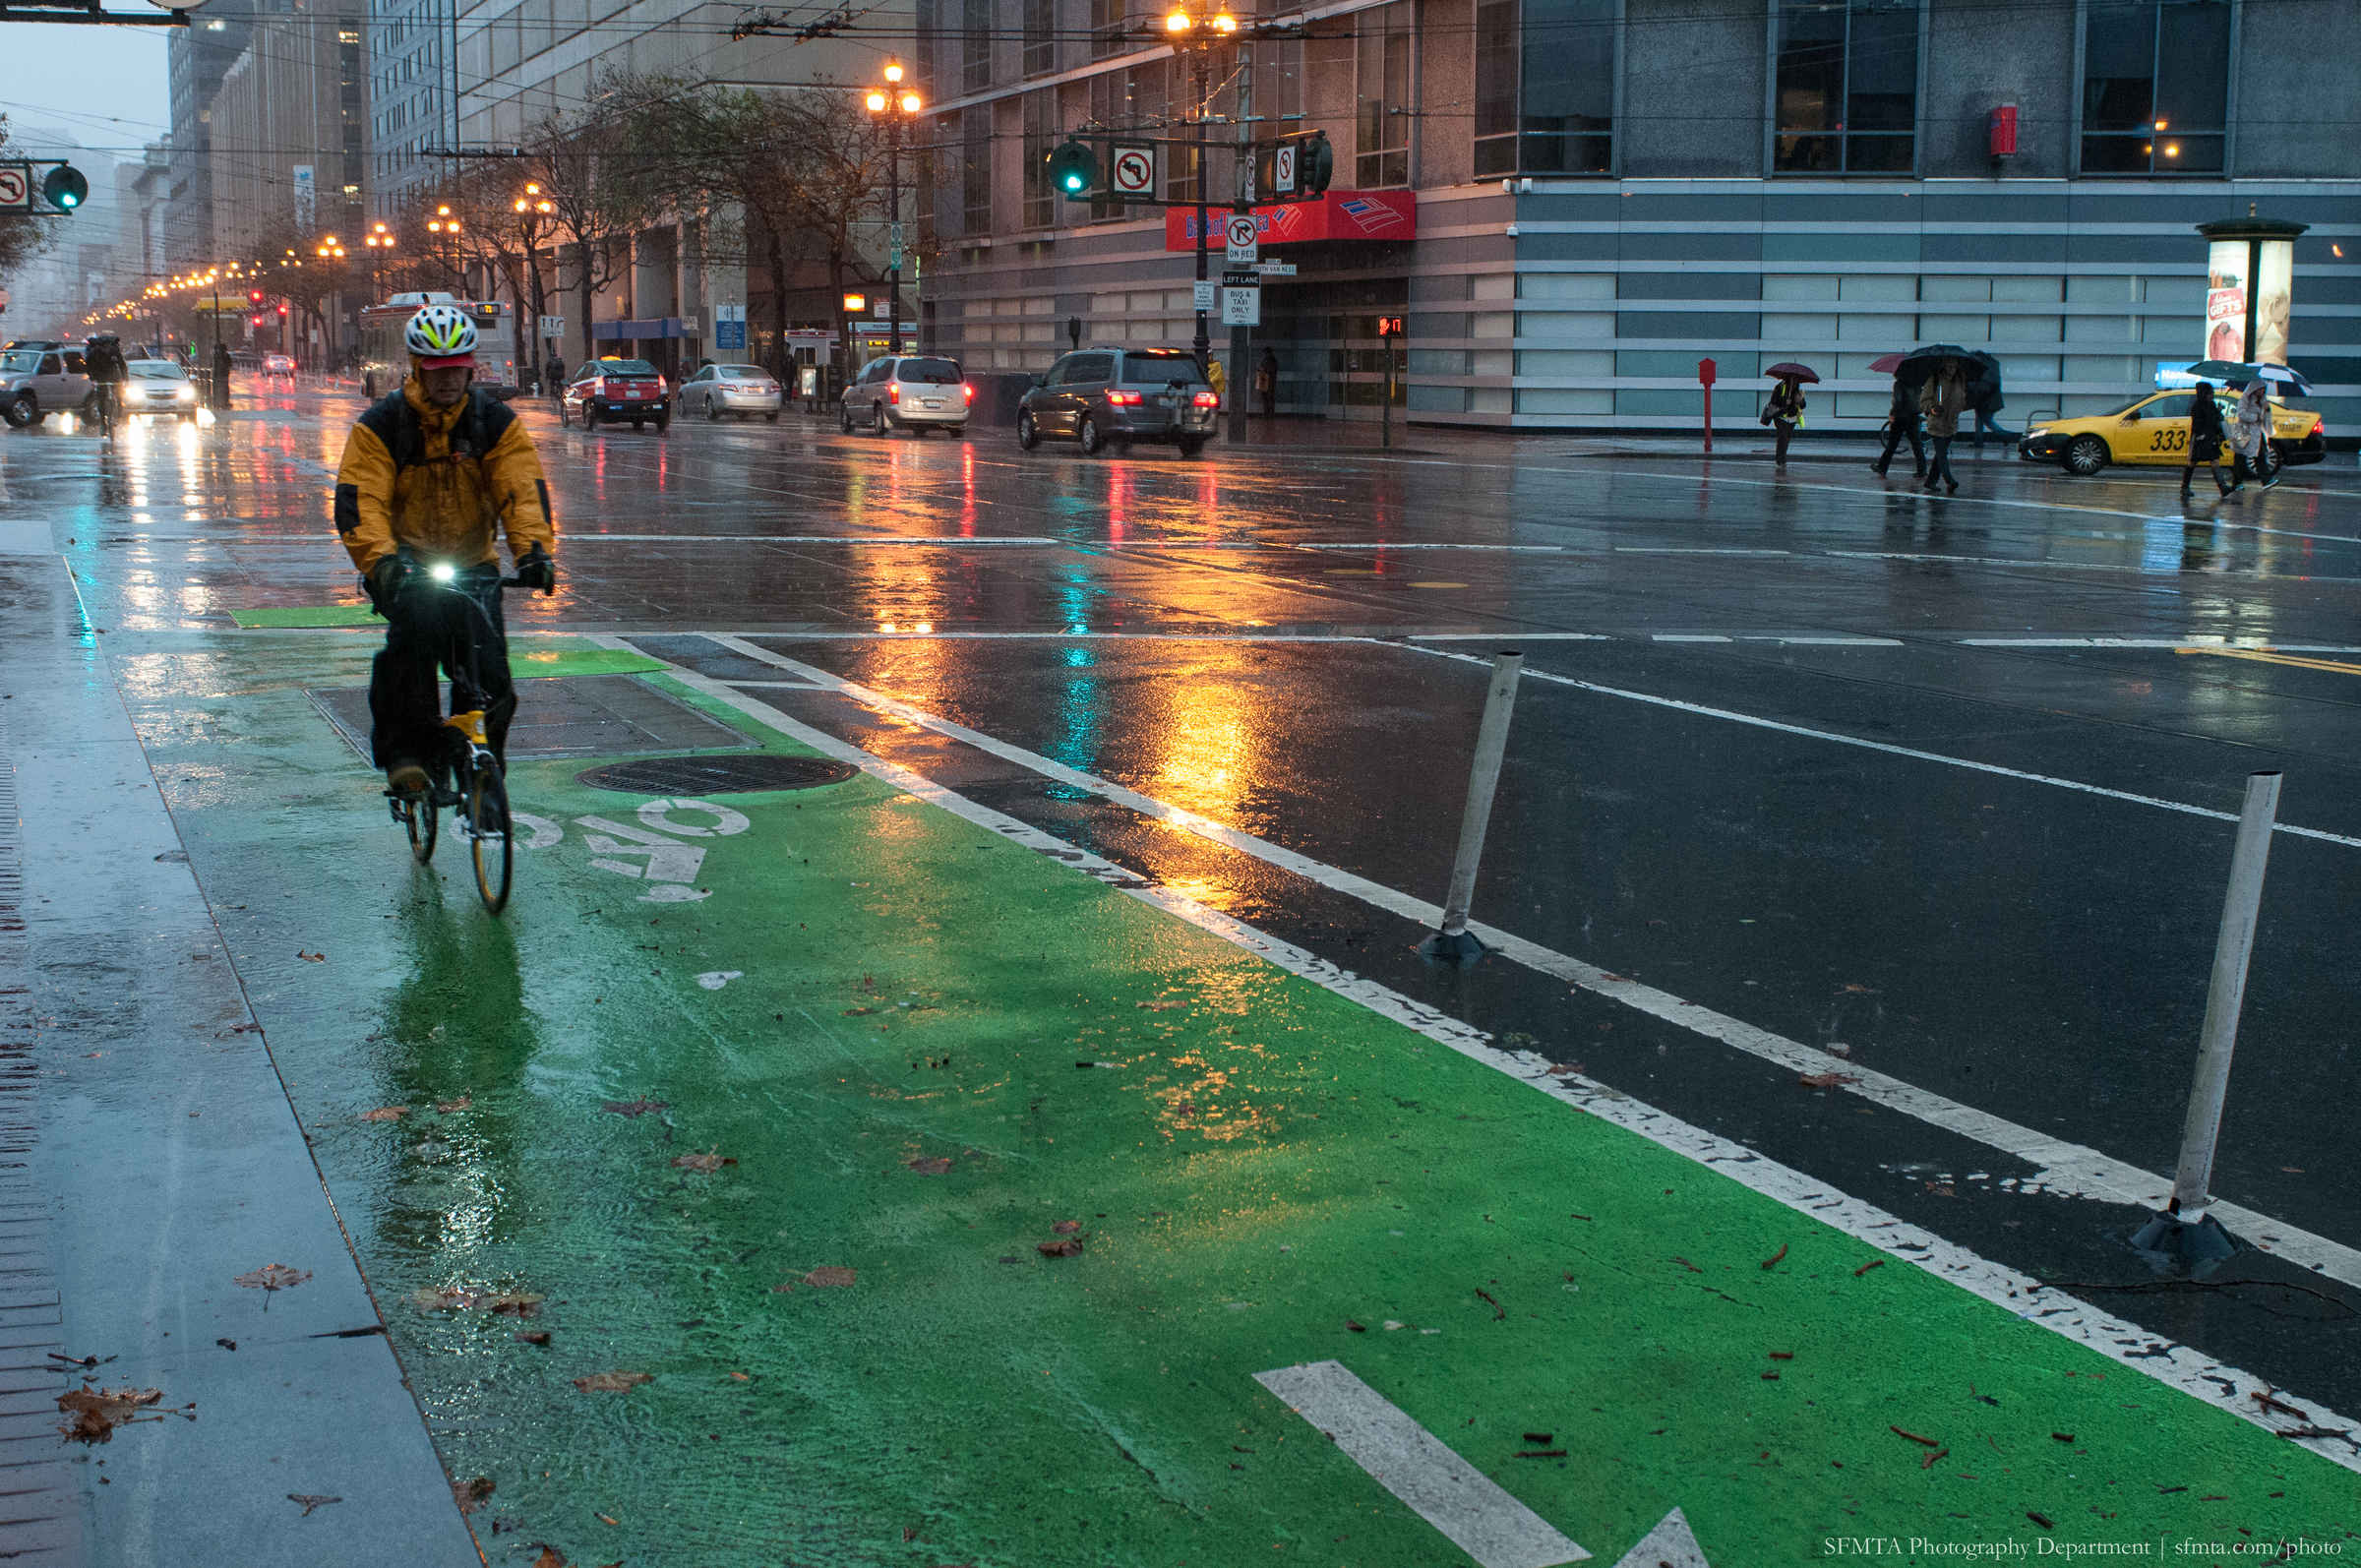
<point>153,1159</point>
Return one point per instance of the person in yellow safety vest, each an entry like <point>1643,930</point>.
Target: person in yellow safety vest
<point>430,471</point>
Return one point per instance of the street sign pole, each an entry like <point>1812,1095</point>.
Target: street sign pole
<point>1202,63</point>
<point>1705,378</point>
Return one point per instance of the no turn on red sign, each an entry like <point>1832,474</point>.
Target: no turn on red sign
<point>1242,239</point>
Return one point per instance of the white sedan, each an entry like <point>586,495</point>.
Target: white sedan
<point>158,386</point>
<point>741,390</point>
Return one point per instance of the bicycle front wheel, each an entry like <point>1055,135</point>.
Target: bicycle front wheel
<point>488,837</point>
<point>418,817</point>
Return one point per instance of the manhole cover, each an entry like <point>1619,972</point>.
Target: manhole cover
<point>693,776</point>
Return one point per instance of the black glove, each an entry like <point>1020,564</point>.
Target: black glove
<point>385,580</point>
<point>538,571</point>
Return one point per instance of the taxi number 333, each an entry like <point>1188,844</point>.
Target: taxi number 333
<point>2169,441</point>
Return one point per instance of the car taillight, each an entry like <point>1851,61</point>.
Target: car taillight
<point>893,391</point>
<point>1123,399</point>
<point>1208,399</point>
<point>967,391</point>
<point>2319,425</point>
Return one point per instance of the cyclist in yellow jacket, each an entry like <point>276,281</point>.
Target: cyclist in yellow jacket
<point>430,471</point>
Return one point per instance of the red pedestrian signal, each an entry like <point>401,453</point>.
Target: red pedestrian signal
<point>1390,326</point>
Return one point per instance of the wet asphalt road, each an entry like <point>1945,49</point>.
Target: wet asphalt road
<point>1287,643</point>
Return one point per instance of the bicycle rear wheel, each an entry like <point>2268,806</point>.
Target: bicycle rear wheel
<point>418,817</point>
<point>488,840</point>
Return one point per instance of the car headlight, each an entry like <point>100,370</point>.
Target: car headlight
<point>185,394</point>
<point>2037,434</point>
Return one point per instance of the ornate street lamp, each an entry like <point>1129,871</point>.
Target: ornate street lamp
<point>1198,33</point>
<point>897,106</point>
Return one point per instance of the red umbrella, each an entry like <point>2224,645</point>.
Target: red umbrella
<point>1888,365</point>
<point>1788,370</point>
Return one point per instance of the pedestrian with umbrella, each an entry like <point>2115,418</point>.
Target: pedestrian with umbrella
<point>1902,419</point>
<point>2250,435</point>
<point>1784,410</point>
<point>1985,400</point>
<point>1941,398</point>
<point>2204,438</point>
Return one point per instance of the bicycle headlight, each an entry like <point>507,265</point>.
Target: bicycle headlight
<point>442,572</point>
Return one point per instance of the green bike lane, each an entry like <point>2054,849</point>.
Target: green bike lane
<point>1010,1183</point>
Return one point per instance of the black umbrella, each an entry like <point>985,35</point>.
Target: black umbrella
<point>1920,364</point>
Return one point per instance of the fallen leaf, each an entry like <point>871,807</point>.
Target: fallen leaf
<point>311,1500</point>
<point>1358,1328</point>
<point>97,1412</point>
<point>310,958</point>
<point>550,1557</point>
<point>1914,1437</point>
<point>1160,1006</point>
<point>448,1107</point>
<point>535,1336</point>
<point>516,1303</point>
<point>1826,1080</point>
<point>931,1167</point>
<point>2063,1437</point>
<point>1873,1263</point>
<point>1928,1463</point>
<point>435,1300</point>
<point>386,1113</point>
<point>1565,1069</point>
<point>784,1290</point>
<point>1059,1249</point>
<point>609,1519</point>
<point>831,1274</point>
<point>1783,1356</point>
<point>471,1495</point>
<point>611,1382</point>
<point>227,1345</point>
<point>742,1377</point>
<point>706,1163</point>
<point>1541,1437</point>
<point>1067,1226</point>
<point>273,1277</point>
<point>1776,1257</point>
<point>2039,1520</point>
<point>634,1107</point>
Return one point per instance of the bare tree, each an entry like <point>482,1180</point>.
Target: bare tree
<point>595,168</point>
<point>23,236</point>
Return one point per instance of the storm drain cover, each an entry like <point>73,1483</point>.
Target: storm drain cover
<point>693,776</point>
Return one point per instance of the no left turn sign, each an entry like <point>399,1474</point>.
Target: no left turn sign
<point>1134,172</point>
<point>15,188</point>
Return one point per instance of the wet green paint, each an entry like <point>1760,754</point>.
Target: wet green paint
<point>1254,1166</point>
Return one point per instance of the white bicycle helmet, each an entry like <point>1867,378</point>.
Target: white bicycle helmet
<point>441,335</point>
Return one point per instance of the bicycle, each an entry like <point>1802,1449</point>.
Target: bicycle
<point>101,409</point>
<point>479,793</point>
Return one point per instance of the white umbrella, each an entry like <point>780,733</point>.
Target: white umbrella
<point>2282,376</point>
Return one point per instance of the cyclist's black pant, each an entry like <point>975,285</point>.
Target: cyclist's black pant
<point>427,628</point>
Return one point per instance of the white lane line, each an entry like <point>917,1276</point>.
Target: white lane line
<point>2207,644</point>
<point>1374,545</point>
<point>1689,550</point>
<point>1835,639</point>
<point>1407,1459</point>
<point>939,541</point>
<point>1502,636</point>
<point>2177,1365</point>
<point>2075,565</point>
<point>1912,753</point>
<point>2065,1169</point>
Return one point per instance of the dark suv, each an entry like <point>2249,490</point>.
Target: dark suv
<point>1101,394</point>
<point>608,390</point>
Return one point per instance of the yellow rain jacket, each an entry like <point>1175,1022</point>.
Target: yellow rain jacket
<point>440,481</point>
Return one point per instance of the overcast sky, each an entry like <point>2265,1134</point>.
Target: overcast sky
<point>104,86</point>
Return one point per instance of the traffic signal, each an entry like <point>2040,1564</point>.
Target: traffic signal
<point>65,189</point>
<point>1073,169</point>
<point>254,296</point>
<point>1318,163</point>
<point>1389,326</point>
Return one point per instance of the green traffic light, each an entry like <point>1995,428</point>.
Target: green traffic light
<point>1073,168</point>
<point>65,188</point>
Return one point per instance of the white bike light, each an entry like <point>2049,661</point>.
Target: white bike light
<point>442,572</point>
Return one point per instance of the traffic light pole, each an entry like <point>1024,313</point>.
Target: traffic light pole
<point>1204,344</point>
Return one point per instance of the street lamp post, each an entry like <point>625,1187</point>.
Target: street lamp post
<point>1184,31</point>
<point>531,207</point>
<point>897,106</point>
<point>447,229</point>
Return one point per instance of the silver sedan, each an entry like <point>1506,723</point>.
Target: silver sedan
<point>741,390</point>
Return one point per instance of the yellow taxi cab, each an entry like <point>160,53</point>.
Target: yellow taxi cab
<point>2153,429</point>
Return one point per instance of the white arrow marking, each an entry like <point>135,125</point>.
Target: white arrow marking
<point>1407,1459</point>
<point>1670,1544</point>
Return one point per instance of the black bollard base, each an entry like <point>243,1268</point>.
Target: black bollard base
<point>1452,947</point>
<point>2199,1240</point>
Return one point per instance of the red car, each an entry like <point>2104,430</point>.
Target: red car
<point>608,390</point>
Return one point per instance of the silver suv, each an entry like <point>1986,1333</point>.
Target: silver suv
<point>39,380</point>
<point>1103,393</point>
<point>916,392</point>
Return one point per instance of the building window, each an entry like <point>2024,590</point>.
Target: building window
<point>1547,109</point>
<point>1041,36</point>
<point>975,178</point>
<point>2156,87</point>
<point>975,22</point>
<point>1110,20</point>
<point>1040,137</point>
<point>1381,82</point>
<point>1847,87</point>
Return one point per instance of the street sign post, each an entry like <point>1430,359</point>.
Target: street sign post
<point>1705,378</point>
<point>1242,239</point>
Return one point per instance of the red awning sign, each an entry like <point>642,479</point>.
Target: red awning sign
<point>1388,215</point>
